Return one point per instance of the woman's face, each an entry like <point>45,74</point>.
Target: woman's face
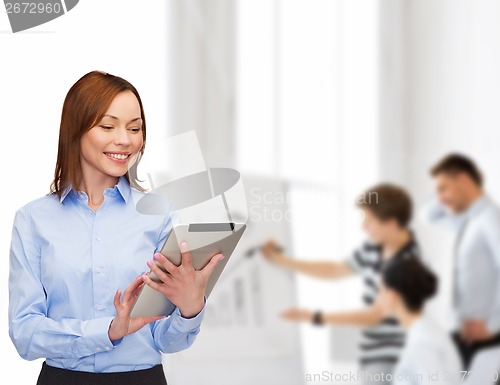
<point>112,146</point>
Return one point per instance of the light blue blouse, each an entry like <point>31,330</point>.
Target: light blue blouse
<point>66,263</point>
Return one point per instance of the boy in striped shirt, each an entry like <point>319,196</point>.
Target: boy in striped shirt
<point>386,218</point>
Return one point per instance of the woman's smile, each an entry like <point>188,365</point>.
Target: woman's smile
<point>119,157</point>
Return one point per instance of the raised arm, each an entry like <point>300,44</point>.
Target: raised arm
<point>365,317</point>
<point>318,269</point>
<point>434,213</point>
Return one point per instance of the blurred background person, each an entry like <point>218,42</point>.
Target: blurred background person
<point>464,207</point>
<point>429,355</point>
<point>387,211</point>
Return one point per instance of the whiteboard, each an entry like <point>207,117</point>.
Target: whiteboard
<point>242,338</point>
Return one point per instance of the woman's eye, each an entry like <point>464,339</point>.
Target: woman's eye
<point>107,127</point>
<point>135,129</point>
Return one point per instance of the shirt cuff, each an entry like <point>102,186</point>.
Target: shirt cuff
<point>97,336</point>
<point>187,324</point>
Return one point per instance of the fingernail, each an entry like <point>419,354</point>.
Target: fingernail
<point>144,277</point>
<point>184,246</point>
<point>156,256</point>
<point>221,257</point>
<point>149,263</point>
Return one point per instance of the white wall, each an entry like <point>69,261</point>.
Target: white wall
<point>453,83</point>
<point>123,37</point>
<point>201,58</point>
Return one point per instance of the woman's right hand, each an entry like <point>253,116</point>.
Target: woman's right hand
<point>123,324</point>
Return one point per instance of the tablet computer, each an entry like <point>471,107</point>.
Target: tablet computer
<point>204,241</point>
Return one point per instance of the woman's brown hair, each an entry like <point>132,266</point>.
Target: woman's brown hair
<point>84,106</point>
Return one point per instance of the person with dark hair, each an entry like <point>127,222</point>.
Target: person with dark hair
<point>456,164</point>
<point>387,211</point>
<point>78,254</point>
<point>429,356</point>
<point>464,207</point>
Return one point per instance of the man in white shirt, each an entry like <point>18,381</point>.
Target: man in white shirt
<point>464,207</point>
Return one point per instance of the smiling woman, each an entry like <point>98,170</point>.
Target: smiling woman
<point>73,248</point>
<point>110,148</point>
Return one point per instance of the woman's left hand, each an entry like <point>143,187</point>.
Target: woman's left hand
<point>183,285</point>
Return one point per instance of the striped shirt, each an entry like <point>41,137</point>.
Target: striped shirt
<point>383,342</point>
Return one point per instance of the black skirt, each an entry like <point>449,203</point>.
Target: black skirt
<point>56,376</point>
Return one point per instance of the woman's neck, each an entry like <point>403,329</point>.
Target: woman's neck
<point>94,186</point>
<point>407,318</point>
<point>396,242</point>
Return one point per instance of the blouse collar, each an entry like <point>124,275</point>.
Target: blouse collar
<point>122,188</point>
